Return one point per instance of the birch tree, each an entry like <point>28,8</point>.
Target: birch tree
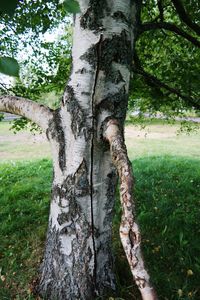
<point>86,134</point>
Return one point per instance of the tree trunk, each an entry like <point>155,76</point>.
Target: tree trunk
<point>78,260</point>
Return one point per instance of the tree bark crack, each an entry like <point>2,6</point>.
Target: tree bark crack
<point>98,55</point>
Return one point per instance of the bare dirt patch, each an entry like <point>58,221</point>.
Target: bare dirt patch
<point>23,145</point>
<point>151,132</point>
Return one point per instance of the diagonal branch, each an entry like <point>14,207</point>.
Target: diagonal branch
<point>129,230</point>
<point>183,15</point>
<point>171,27</point>
<point>39,114</point>
<point>153,81</point>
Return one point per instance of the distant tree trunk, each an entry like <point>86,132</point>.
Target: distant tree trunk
<point>78,263</point>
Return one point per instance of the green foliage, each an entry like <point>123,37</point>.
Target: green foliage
<point>9,66</point>
<point>169,57</point>
<point>71,6</point>
<point>37,15</point>
<point>173,61</point>
<point>23,123</point>
<point>39,55</point>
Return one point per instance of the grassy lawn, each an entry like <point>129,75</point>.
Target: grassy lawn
<point>167,172</point>
<point>168,208</point>
<point>24,202</point>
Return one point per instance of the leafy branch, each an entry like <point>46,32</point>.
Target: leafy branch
<point>153,81</point>
<point>183,15</point>
<point>171,27</point>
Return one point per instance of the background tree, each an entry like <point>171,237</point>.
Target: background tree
<point>90,119</point>
<point>166,57</point>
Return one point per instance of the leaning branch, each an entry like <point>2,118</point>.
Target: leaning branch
<point>153,81</point>
<point>129,230</point>
<point>170,27</point>
<point>31,110</point>
<point>183,15</point>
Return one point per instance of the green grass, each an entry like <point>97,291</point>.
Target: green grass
<point>24,203</point>
<point>168,207</point>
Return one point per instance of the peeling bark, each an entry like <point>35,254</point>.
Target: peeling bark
<point>129,229</point>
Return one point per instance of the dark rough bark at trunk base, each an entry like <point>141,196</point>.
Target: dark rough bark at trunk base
<point>78,262</point>
<point>77,275</point>
<point>60,280</point>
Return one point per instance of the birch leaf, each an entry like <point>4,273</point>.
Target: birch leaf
<point>9,66</point>
<point>72,6</point>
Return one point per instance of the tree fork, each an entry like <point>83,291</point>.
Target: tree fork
<point>129,229</point>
